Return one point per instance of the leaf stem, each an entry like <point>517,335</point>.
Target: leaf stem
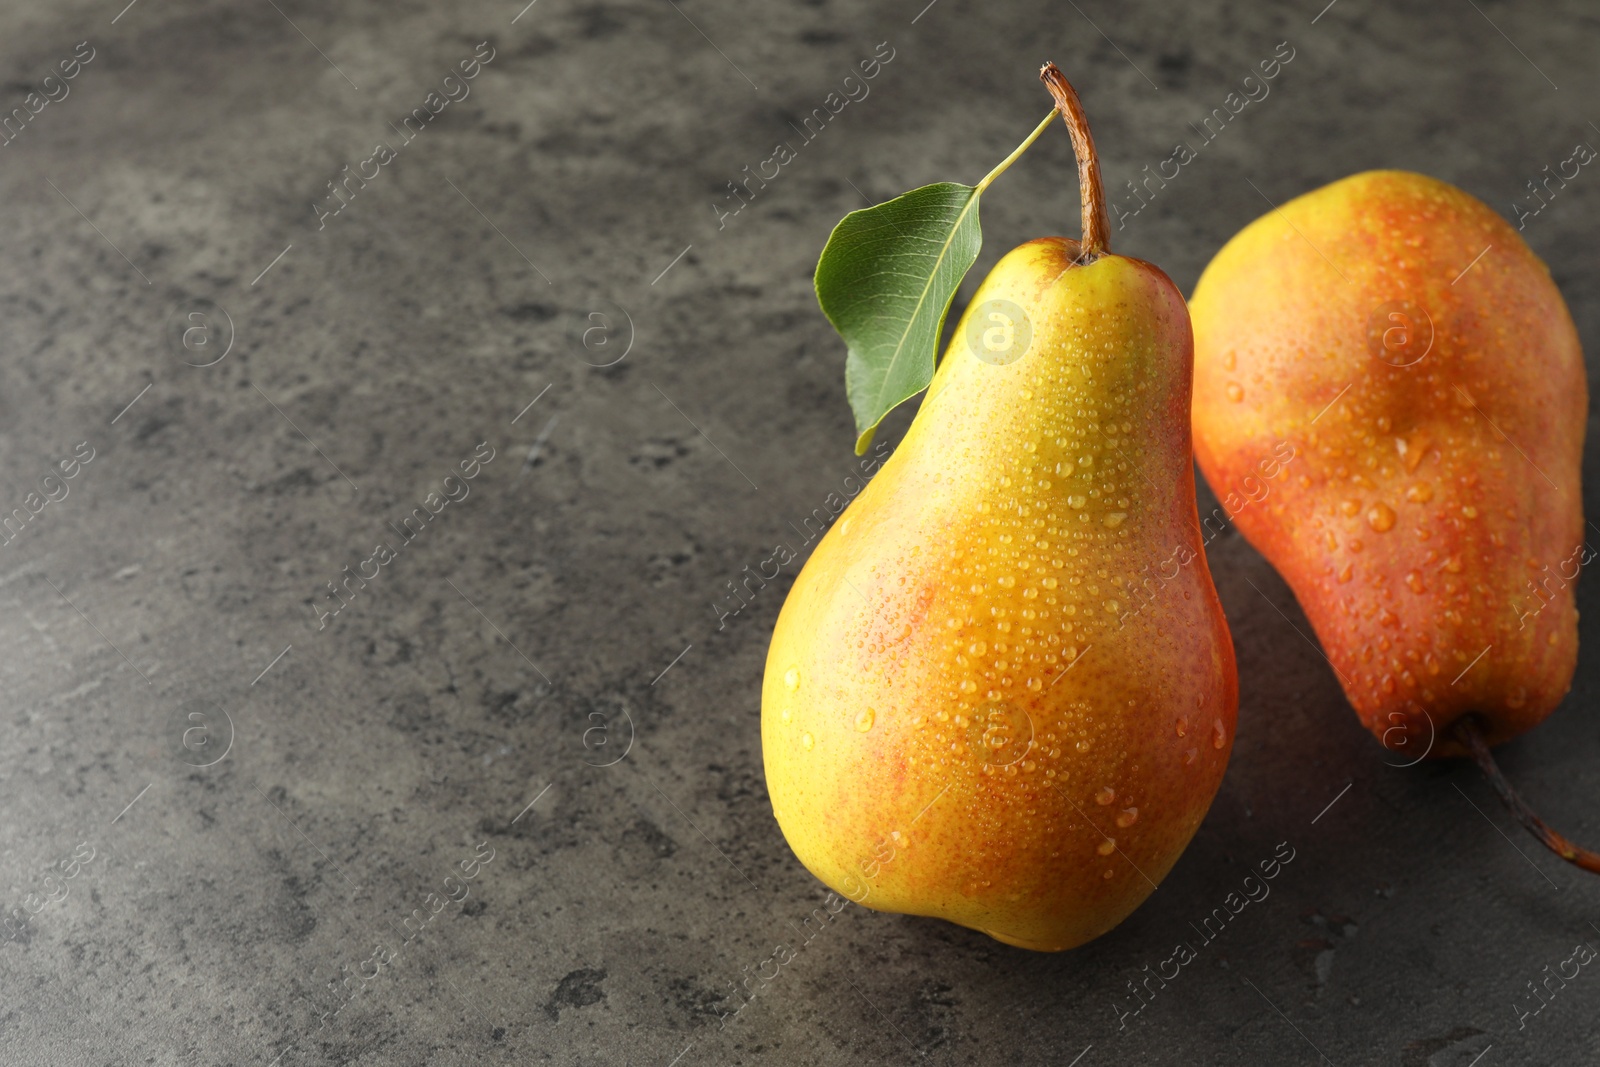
<point>1096,222</point>
<point>1021,148</point>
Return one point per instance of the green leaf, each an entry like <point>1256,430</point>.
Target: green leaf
<point>885,280</point>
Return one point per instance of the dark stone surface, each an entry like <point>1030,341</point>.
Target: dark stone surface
<point>531,621</point>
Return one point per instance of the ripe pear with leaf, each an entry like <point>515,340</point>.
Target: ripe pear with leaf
<point>1415,357</point>
<point>1002,691</point>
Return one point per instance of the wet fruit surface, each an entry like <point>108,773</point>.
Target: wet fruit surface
<point>1414,378</point>
<point>1020,608</point>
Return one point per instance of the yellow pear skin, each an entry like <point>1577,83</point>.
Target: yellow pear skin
<point>1002,691</point>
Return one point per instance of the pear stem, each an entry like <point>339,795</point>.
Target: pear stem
<point>1021,148</point>
<point>1096,221</point>
<point>1467,732</point>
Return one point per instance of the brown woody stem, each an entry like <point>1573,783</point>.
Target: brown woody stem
<point>1096,222</point>
<point>1467,732</point>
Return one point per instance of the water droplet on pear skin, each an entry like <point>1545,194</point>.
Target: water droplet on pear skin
<point>1107,847</point>
<point>807,742</point>
<point>864,719</point>
<point>1380,517</point>
<point>791,678</point>
<point>1127,817</point>
<point>1219,734</point>
<point>1235,392</point>
<point>1105,796</point>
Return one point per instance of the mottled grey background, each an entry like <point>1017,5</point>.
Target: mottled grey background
<point>521,640</point>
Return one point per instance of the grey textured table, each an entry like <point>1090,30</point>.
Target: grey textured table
<point>507,805</point>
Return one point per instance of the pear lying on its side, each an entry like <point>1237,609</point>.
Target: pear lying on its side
<point>1422,368</point>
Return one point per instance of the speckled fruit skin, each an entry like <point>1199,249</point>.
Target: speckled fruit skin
<point>1424,501</point>
<point>927,748</point>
